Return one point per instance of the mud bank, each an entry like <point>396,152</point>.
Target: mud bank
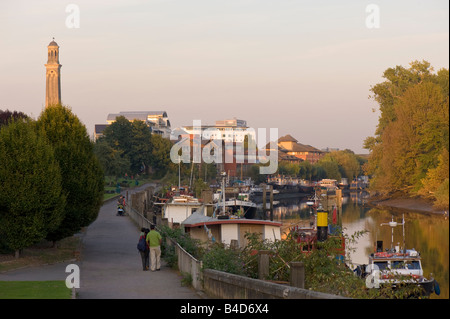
<point>410,204</point>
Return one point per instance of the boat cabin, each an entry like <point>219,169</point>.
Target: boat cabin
<point>398,263</point>
<point>227,231</point>
<point>181,207</point>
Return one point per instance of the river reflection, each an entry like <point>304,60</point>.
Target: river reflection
<point>427,233</point>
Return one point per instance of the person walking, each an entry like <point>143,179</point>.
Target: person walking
<point>154,240</point>
<point>143,248</point>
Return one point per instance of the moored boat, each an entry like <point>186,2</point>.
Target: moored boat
<point>396,266</point>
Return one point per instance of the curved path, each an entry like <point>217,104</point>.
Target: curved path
<point>110,265</point>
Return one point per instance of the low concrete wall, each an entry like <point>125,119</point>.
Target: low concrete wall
<point>188,264</point>
<point>221,285</point>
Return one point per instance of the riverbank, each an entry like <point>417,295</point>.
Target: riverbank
<point>410,204</point>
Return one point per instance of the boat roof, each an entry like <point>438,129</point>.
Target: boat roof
<point>386,256</point>
<point>197,219</point>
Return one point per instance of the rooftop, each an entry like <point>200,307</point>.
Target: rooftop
<point>137,115</point>
<point>196,219</point>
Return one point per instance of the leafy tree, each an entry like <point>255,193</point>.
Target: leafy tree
<point>349,166</point>
<point>140,154</point>
<point>111,159</point>
<point>7,116</point>
<point>305,170</point>
<point>118,136</point>
<point>161,154</point>
<point>331,167</point>
<point>286,168</point>
<point>414,141</point>
<point>412,129</point>
<point>199,186</point>
<point>82,175</point>
<point>436,183</point>
<point>129,144</point>
<point>31,198</point>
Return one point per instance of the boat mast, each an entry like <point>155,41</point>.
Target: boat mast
<point>393,224</point>
<point>403,226</point>
<point>224,175</point>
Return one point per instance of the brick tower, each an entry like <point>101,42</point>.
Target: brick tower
<point>53,76</point>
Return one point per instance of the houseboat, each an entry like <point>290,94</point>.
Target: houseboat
<point>237,207</point>
<point>180,207</point>
<point>233,202</point>
<point>286,185</point>
<point>328,185</point>
<point>231,230</point>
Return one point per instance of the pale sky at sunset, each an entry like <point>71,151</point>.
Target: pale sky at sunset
<point>304,67</point>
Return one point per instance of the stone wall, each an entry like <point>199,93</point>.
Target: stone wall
<point>221,285</point>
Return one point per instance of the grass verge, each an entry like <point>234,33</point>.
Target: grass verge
<point>34,290</point>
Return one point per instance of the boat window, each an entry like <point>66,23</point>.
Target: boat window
<point>382,265</point>
<point>398,264</point>
<point>413,265</point>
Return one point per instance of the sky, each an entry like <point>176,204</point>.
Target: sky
<point>303,67</point>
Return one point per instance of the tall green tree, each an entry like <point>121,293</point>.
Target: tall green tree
<point>331,168</point>
<point>349,166</point>
<point>31,198</point>
<point>82,175</point>
<point>161,155</point>
<point>412,129</point>
<point>140,154</point>
<point>111,159</point>
<point>132,141</point>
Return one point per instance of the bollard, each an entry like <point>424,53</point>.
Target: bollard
<point>297,275</point>
<point>322,225</point>
<point>263,264</point>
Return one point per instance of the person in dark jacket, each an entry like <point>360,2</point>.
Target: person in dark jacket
<point>146,252</point>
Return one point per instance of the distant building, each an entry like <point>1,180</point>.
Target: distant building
<point>228,130</point>
<point>232,131</point>
<point>52,76</point>
<point>98,130</point>
<point>290,150</point>
<point>157,121</point>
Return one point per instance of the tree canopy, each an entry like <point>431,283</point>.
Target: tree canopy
<point>31,198</point>
<point>82,175</point>
<point>412,136</point>
<point>334,165</point>
<point>130,147</point>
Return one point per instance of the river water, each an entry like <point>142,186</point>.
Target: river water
<point>426,232</point>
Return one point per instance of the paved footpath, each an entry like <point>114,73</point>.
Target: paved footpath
<point>110,266</point>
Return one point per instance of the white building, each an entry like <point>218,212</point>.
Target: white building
<point>229,130</point>
<point>158,121</point>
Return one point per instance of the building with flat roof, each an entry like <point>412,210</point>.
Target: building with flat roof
<point>157,121</point>
<point>228,130</point>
